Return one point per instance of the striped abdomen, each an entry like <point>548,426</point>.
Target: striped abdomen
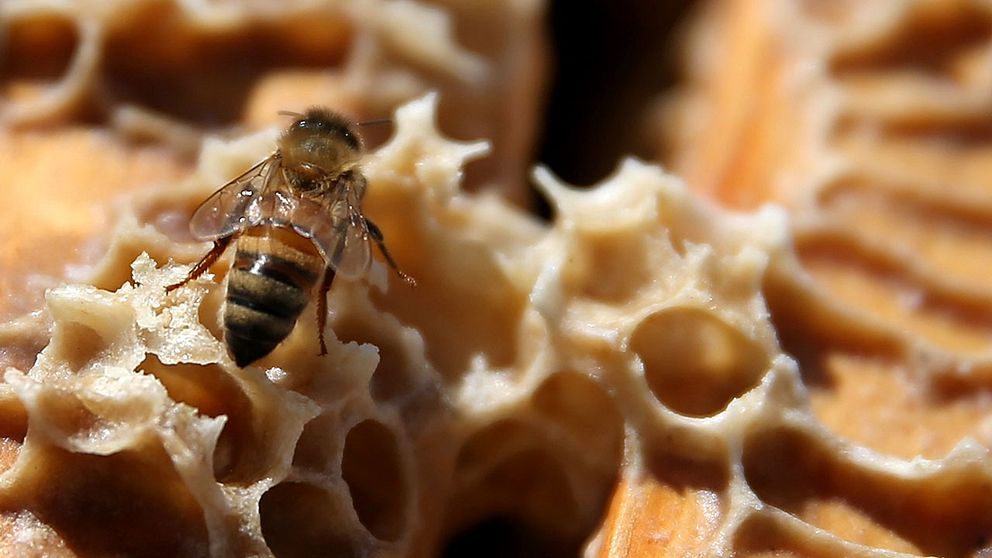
<point>269,285</point>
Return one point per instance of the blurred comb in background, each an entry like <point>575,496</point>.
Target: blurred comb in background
<point>870,123</point>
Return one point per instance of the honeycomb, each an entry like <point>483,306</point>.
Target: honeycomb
<point>647,373</point>
<point>424,419</point>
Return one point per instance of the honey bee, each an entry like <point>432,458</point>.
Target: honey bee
<point>297,219</point>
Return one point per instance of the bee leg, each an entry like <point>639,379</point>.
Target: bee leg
<point>376,235</point>
<point>325,286</point>
<point>205,262</point>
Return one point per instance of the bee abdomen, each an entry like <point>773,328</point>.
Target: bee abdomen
<point>265,296</point>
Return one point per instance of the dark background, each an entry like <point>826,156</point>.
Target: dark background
<point>611,61</point>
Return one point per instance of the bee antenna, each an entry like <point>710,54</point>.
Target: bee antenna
<point>291,113</point>
<point>376,122</point>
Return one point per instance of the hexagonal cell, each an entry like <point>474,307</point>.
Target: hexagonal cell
<point>376,476</point>
<point>168,215</point>
<point>300,520</point>
<point>209,312</point>
<point>318,445</point>
<point>509,474</point>
<point>37,52</point>
<point>527,491</point>
<point>209,75</point>
<point>392,376</point>
<point>402,379</point>
<point>132,503</point>
<point>214,393</point>
<point>577,403</point>
<point>78,343</point>
<point>469,277</point>
<point>694,363</point>
<point>616,266</point>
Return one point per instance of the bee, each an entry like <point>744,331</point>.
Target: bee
<point>296,218</point>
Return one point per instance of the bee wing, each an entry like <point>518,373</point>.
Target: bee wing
<point>228,210</point>
<point>337,227</point>
<point>353,258</point>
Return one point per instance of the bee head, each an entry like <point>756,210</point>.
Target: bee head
<point>319,145</point>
